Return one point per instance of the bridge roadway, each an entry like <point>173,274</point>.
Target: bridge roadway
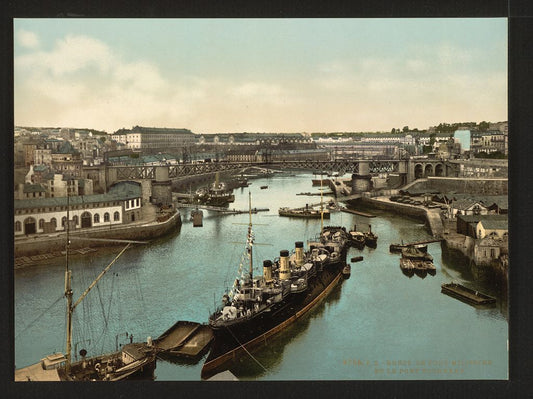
<point>192,169</point>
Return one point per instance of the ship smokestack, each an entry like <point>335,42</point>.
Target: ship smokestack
<point>267,270</point>
<point>284,272</point>
<point>299,253</point>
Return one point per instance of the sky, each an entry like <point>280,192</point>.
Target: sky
<point>259,75</point>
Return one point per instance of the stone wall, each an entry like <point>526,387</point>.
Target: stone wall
<point>464,185</point>
<point>39,245</point>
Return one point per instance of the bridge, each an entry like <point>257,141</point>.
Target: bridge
<point>407,169</point>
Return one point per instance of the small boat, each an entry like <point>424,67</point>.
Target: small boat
<point>400,247</point>
<point>357,259</point>
<point>467,295</point>
<point>346,271</point>
<point>306,212</point>
<point>357,239</point>
<point>264,187</point>
<point>371,240</point>
<point>415,254</point>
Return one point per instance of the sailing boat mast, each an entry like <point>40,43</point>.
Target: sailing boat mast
<point>321,208</point>
<point>68,293</point>
<point>251,271</point>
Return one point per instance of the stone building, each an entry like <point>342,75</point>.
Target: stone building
<point>122,204</point>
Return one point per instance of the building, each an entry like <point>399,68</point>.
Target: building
<point>467,207</point>
<point>152,137</point>
<point>122,204</point>
<point>467,224</point>
<point>492,228</point>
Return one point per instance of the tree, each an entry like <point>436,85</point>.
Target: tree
<point>405,129</point>
<point>393,130</point>
<point>483,126</point>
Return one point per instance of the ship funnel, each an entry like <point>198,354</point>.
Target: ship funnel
<point>284,272</point>
<point>267,270</point>
<point>299,253</point>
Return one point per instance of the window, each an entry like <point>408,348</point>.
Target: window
<point>41,223</point>
<point>106,217</point>
<point>75,219</point>
<point>18,226</point>
<point>137,202</point>
<point>63,221</point>
<point>54,222</point>
<point>116,216</point>
<point>96,218</point>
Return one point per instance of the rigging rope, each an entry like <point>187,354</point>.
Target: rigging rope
<point>243,347</point>
<point>38,317</point>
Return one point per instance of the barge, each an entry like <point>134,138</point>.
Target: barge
<point>467,295</point>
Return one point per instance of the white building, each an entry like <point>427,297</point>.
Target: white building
<point>122,204</point>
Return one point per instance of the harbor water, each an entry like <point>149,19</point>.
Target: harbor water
<point>377,325</point>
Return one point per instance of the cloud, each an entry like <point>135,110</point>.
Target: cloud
<point>27,39</point>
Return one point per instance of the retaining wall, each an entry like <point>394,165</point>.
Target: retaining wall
<point>39,244</point>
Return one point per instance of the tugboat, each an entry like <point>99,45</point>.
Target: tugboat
<point>257,307</point>
<point>357,238</point>
<point>371,240</point>
<point>218,194</point>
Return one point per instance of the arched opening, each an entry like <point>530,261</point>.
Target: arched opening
<point>18,226</point>
<point>29,226</point>
<point>106,217</point>
<point>439,170</point>
<point>419,171</point>
<point>133,217</point>
<point>116,216</point>
<point>96,218</point>
<point>86,220</point>
<point>428,170</point>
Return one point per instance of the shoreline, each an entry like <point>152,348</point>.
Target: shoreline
<point>28,251</point>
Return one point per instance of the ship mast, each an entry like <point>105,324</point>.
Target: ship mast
<point>321,207</point>
<point>68,292</point>
<point>251,271</point>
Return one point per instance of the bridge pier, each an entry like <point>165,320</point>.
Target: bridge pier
<point>362,181</point>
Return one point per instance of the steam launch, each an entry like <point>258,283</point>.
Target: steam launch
<point>257,307</point>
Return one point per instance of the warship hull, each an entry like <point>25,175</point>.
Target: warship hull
<point>230,342</point>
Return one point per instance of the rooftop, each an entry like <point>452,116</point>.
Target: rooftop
<point>118,192</point>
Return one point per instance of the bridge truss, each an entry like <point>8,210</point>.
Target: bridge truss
<point>192,169</point>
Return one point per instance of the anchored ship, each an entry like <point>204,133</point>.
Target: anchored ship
<point>257,307</point>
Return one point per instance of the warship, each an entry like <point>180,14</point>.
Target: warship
<point>257,307</point>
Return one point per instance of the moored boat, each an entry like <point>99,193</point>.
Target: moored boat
<point>371,239</point>
<point>305,212</point>
<point>133,361</point>
<point>467,295</point>
<point>346,271</point>
<point>399,247</point>
<point>257,307</point>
